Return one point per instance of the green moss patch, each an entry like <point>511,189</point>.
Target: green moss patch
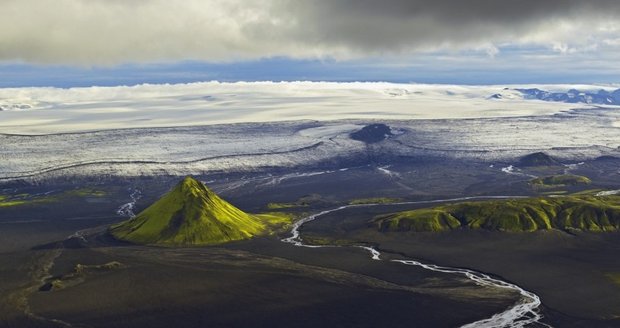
<point>560,181</point>
<point>280,206</point>
<point>419,220</point>
<point>375,200</point>
<point>20,199</point>
<point>276,221</point>
<point>86,192</point>
<point>28,199</point>
<point>304,201</point>
<point>585,213</point>
<point>9,202</point>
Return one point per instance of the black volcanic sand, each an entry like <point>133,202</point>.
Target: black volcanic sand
<point>233,286</point>
<point>217,287</point>
<point>265,283</point>
<point>568,271</point>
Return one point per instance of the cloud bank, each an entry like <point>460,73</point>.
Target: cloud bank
<point>110,32</point>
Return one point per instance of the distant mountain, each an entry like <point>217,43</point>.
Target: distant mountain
<point>585,213</point>
<point>537,159</point>
<point>601,97</point>
<point>191,214</point>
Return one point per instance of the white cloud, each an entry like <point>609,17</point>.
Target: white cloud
<point>107,32</point>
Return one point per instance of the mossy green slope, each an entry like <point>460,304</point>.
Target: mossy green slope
<point>190,214</point>
<point>586,213</point>
<point>375,200</point>
<point>418,220</point>
<point>560,180</point>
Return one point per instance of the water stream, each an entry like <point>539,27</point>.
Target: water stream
<point>524,313</point>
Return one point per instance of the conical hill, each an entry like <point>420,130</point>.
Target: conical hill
<point>190,214</point>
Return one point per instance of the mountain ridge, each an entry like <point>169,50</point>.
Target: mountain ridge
<point>600,97</point>
<point>567,213</point>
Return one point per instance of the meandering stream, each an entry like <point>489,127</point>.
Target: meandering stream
<point>524,313</point>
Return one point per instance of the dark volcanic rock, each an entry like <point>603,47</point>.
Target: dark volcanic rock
<point>538,159</point>
<point>372,133</point>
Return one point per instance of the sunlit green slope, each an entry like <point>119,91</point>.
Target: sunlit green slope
<point>586,213</point>
<point>191,214</point>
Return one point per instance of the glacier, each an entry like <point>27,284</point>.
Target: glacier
<point>212,127</point>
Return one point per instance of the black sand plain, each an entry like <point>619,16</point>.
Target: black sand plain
<point>264,282</point>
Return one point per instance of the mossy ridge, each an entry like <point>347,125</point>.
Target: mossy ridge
<point>86,192</point>
<point>7,202</point>
<point>13,200</point>
<point>586,213</point>
<point>304,201</point>
<point>28,199</point>
<point>276,221</point>
<point>280,206</point>
<point>560,180</point>
<point>191,215</point>
<point>375,200</point>
<point>22,199</point>
<point>418,220</point>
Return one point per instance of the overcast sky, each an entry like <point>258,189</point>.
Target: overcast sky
<point>107,42</point>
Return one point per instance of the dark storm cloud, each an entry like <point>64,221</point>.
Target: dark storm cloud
<point>92,32</point>
<point>405,24</point>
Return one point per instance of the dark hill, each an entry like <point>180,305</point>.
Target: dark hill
<point>372,133</point>
<point>537,159</point>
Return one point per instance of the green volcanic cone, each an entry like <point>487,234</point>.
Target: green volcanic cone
<point>190,214</point>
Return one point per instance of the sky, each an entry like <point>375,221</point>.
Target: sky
<point>67,43</point>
